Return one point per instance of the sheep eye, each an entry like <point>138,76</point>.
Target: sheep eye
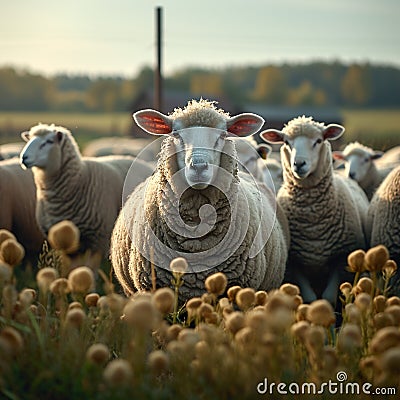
<point>366,159</point>
<point>318,141</point>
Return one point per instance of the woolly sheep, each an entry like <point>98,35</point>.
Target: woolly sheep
<point>146,149</point>
<point>274,168</point>
<point>17,211</point>
<point>326,212</point>
<point>10,150</point>
<point>360,166</point>
<point>197,205</point>
<point>390,158</point>
<point>86,191</point>
<point>384,215</point>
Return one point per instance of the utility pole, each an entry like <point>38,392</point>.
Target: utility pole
<point>158,95</point>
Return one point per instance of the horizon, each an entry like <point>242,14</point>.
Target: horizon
<point>118,39</point>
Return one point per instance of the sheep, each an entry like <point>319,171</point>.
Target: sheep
<point>274,168</point>
<point>17,211</point>
<point>145,149</point>
<point>198,206</point>
<point>86,191</point>
<point>10,150</point>
<point>361,167</point>
<point>390,158</point>
<point>326,212</point>
<point>384,215</point>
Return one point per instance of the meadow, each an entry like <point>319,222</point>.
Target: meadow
<point>374,127</point>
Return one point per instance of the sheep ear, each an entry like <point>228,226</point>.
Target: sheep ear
<point>377,154</point>
<point>333,132</point>
<point>272,136</point>
<point>153,122</point>
<point>337,155</point>
<point>244,124</point>
<point>25,136</point>
<point>264,150</point>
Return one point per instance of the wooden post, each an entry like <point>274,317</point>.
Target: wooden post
<point>158,95</point>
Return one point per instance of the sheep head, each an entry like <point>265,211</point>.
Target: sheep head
<point>358,160</point>
<point>303,138</point>
<point>199,133</point>
<point>42,149</point>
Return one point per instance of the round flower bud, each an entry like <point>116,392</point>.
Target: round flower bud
<point>91,299</point>
<point>376,258</point>
<point>349,338</point>
<point>45,277</point>
<point>5,234</point>
<point>140,314</point>
<point>179,265</point>
<point>118,373</point>
<point>173,332</point>
<point>158,362</point>
<point>382,319</point>
<point>205,310</point>
<point>363,301</point>
<point>301,312</point>
<point>356,261</point>
<point>346,288</point>
<point>234,322</point>
<point>394,300</point>
<point>12,340</point>
<point>11,252</point>
<point>384,339</point>
<point>365,285</point>
<point>75,317</point>
<point>216,283</point>
<point>98,353</point>
<point>81,280</point>
<point>75,304</point>
<point>261,298</point>
<point>231,293</point>
<point>379,303</point>
<point>291,290</point>
<point>299,330</point>
<point>163,300</point>
<point>390,361</point>
<point>64,236</point>
<point>60,287</point>
<point>390,268</point>
<point>245,298</point>
<point>192,306</point>
<point>321,313</point>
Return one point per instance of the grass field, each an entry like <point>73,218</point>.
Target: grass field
<point>378,128</point>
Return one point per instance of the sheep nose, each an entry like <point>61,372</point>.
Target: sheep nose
<point>199,167</point>
<point>299,164</point>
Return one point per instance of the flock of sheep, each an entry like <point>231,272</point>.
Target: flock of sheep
<point>212,196</point>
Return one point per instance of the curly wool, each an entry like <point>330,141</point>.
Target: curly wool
<point>374,177</point>
<point>384,215</point>
<point>86,191</point>
<point>304,126</point>
<point>18,201</point>
<point>326,215</point>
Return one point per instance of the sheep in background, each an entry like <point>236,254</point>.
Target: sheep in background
<point>254,159</point>
<point>326,212</point>
<point>146,149</point>
<point>17,209</point>
<point>273,168</point>
<point>198,206</point>
<point>10,150</point>
<point>384,215</point>
<point>86,191</point>
<point>360,166</point>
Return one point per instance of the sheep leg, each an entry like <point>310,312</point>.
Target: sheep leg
<point>331,291</point>
<point>307,292</point>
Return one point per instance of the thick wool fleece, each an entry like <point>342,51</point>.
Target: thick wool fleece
<point>152,210</point>
<point>384,215</point>
<point>18,202</point>
<point>87,191</point>
<point>325,214</point>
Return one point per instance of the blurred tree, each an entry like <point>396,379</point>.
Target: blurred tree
<point>209,84</point>
<point>270,86</point>
<point>306,94</point>
<point>356,85</point>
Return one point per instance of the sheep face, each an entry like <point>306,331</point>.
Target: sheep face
<point>198,146</point>
<point>42,151</point>
<point>357,162</point>
<point>303,141</point>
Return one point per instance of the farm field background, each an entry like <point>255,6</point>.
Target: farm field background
<point>379,128</point>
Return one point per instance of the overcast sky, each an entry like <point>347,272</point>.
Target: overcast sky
<point>117,37</point>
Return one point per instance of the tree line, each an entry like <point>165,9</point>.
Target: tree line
<point>314,83</point>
